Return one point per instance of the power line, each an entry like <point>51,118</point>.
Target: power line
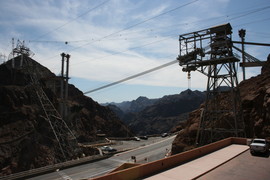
<point>132,77</point>
<point>121,52</point>
<point>146,20</point>
<point>84,13</point>
<point>241,14</point>
<point>129,27</point>
<point>251,12</point>
<point>252,22</point>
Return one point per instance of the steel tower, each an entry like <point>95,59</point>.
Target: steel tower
<point>209,51</point>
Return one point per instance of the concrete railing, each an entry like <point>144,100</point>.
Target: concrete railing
<point>151,168</point>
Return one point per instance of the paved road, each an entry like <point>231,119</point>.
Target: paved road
<point>145,153</point>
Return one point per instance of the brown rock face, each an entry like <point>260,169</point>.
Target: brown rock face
<point>26,138</point>
<point>255,97</point>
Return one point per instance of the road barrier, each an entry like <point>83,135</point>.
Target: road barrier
<point>52,168</point>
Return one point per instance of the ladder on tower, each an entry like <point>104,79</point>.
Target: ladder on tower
<point>62,133</point>
<point>67,142</point>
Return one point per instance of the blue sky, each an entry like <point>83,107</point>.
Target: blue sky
<point>109,40</point>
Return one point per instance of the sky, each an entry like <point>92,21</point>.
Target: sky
<point>110,40</point>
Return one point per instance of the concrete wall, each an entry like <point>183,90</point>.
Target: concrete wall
<point>151,168</point>
<point>125,166</point>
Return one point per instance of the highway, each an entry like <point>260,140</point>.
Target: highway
<point>145,151</point>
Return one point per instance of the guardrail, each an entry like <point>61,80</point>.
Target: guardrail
<point>52,168</point>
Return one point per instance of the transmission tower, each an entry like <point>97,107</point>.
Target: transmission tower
<point>209,51</point>
<point>67,142</point>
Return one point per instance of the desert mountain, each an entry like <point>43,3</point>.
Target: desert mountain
<point>26,138</point>
<point>133,106</point>
<point>160,115</point>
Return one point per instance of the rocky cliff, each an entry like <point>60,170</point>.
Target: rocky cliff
<point>255,99</point>
<point>26,138</point>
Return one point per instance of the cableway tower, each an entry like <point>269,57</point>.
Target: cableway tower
<point>67,143</point>
<point>210,51</point>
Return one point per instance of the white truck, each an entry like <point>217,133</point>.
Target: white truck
<point>259,146</point>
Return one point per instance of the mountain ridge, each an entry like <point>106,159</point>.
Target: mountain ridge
<point>24,127</point>
<point>163,114</point>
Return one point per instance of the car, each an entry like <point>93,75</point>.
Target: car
<point>164,135</point>
<point>108,149</point>
<point>136,138</point>
<point>259,146</point>
<point>144,137</point>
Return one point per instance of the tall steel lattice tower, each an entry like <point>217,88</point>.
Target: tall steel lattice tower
<point>67,145</point>
<point>209,51</point>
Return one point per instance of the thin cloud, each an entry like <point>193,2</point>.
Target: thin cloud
<point>122,54</point>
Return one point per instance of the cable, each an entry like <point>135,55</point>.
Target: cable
<point>129,27</point>
<point>121,52</point>
<point>252,22</point>
<point>132,77</point>
<point>233,18</point>
<point>250,12</point>
<point>242,14</point>
<point>70,21</point>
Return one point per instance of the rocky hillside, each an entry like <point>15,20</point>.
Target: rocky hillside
<point>255,95</point>
<point>26,138</point>
<point>164,114</point>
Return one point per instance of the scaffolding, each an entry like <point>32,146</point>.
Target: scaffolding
<point>209,51</point>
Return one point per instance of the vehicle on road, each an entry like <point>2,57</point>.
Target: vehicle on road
<point>108,149</point>
<point>144,137</point>
<point>259,146</point>
<point>164,135</point>
<point>136,138</point>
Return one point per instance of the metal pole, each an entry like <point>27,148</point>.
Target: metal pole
<point>252,43</point>
<point>66,84</point>
<point>242,34</point>
<point>62,85</point>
